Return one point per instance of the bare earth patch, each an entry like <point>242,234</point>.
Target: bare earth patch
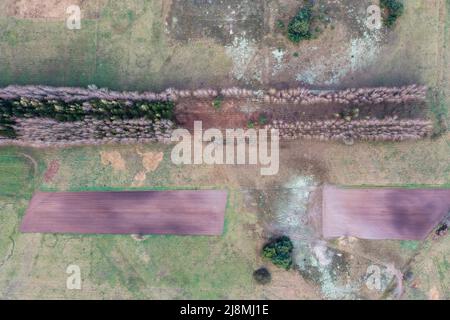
<point>229,115</point>
<point>185,212</point>
<point>50,9</point>
<point>383,213</point>
<point>434,294</point>
<point>150,161</point>
<point>53,9</point>
<point>290,286</point>
<point>114,159</point>
<point>139,179</point>
<point>51,171</point>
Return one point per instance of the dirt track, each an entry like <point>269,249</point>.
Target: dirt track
<point>238,113</point>
<point>133,212</point>
<point>403,214</point>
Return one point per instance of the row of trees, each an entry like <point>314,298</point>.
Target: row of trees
<point>43,132</point>
<point>302,95</point>
<point>30,102</point>
<point>388,129</point>
<point>70,95</point>
<point>11,110</point>
<point>362,96</point>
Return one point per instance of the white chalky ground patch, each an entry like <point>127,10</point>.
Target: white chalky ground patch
<point>241,52</point>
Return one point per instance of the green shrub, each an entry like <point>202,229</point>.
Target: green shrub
<point>299,27</point>
<point>394,9</point>
<point>262,276</point>
<point>280,24</point>
<point>262,119</point>
<point>217,102</point>
<point>279,251</point>
<point>7,132</point>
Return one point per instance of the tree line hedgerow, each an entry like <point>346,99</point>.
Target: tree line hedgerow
<point>100,109</point>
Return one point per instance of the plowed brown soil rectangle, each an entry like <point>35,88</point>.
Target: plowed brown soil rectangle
<point>388,213</point>
<point>129,212</point>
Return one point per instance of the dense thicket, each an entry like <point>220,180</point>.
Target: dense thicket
<point>76,94</point>
<point>48,132</point>
<point>113,109</point>
<point>11,110</point>
<point>389,129</point>
<point>301,95</point>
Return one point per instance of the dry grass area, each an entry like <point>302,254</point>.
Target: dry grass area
<point>49,9</point>
<point>55,9</point>
<point>114,159</point>
<point>150,162</point>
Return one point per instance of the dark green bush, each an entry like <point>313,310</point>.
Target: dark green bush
<point>217,102</point>
<point>262,276</point>
<point>262,119</point>
<point>280,24</point>
<point>279,251</point>
<point>7,132</point>
<point>394,9</point>
<point>299,27</point>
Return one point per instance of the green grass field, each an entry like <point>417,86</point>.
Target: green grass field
<point>158,267</point>
<point>16,173</point>
<point>125,48</point>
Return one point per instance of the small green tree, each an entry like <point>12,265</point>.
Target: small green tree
<point>394,8</point>
<point>217,102</point>
<point>262,119</point>
<point>279,251</point>
<point>299,27</point>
